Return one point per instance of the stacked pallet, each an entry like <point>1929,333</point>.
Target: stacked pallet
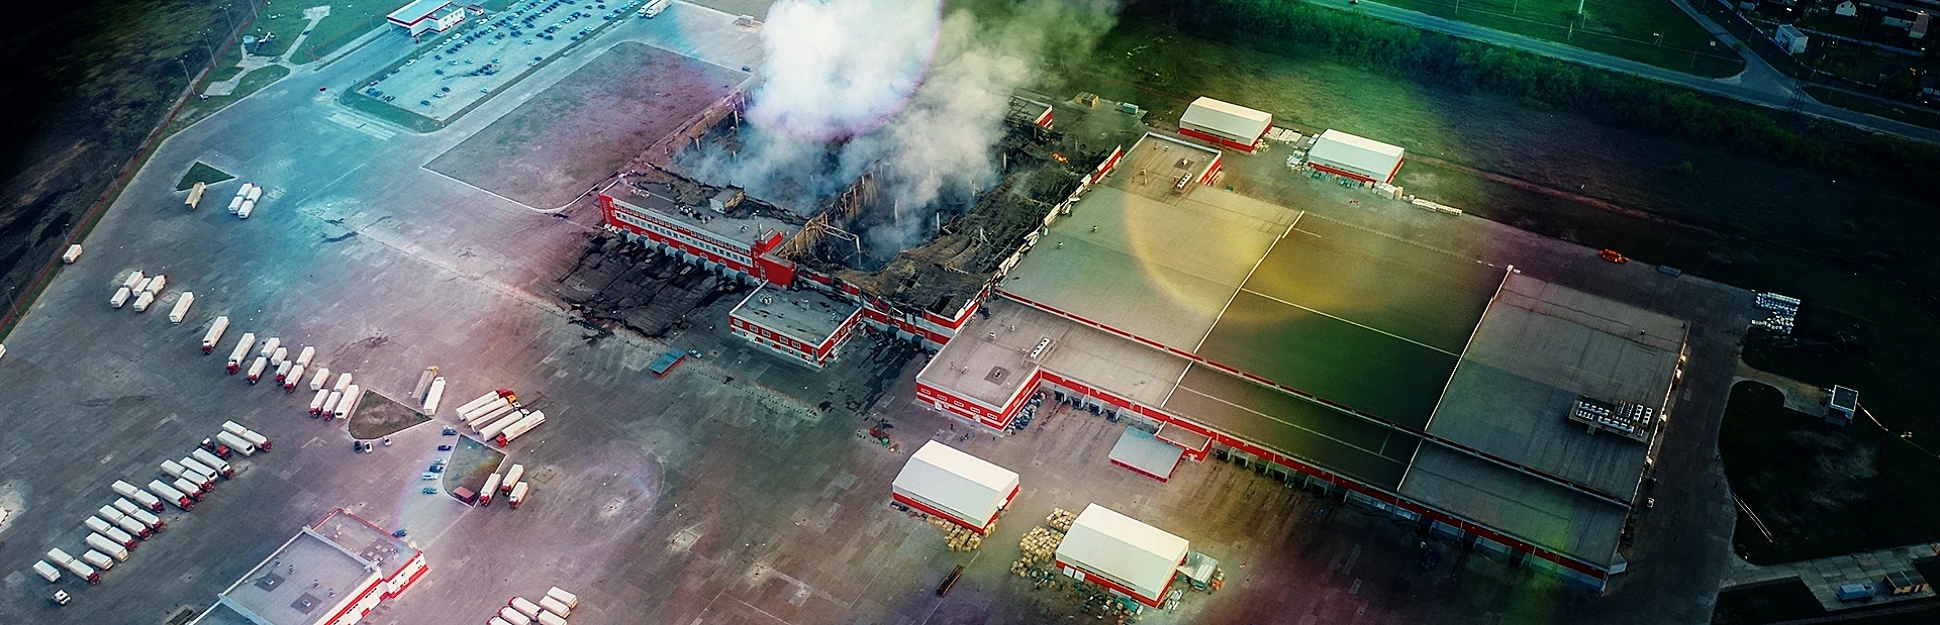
<point>1061,519</point>
<point>1040,546</point>
<point>956,536</point>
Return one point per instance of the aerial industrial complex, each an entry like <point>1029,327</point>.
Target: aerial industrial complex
<point>1185,344</point>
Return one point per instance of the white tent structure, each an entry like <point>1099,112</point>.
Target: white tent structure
<point>1224,123</point>
<point>1339,153</point>
<point>1121,553</point>
<point>945,482</point>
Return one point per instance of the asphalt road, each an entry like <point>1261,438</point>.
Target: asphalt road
<point>1759,84</point>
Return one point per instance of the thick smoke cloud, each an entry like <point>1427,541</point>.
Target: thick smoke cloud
<point>916,91</point>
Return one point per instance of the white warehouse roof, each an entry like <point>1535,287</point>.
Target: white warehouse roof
<point>414,12</point>
<point>1233,121</point>
<point>1361,156</point>
<point>956,483</point>
<point>1120,548</point>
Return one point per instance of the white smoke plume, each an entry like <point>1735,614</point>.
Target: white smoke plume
<point>916,90</point>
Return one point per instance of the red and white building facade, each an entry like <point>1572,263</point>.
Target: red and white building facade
<point>363,565</point>
<point>1225,124</point>
<point>807,325</point>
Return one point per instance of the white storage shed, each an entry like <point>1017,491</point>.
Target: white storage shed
<point>966,490</point>
<point>1121,553</point>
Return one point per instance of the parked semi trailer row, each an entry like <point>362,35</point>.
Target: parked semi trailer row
<point>116,529</point>
<point>551,609</point>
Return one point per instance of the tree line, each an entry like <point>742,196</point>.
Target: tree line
<point>1615,99</point>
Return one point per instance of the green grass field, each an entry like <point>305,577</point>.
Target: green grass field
<point>203,173</point>
<point>1629,29</point>
<point>200,108</point>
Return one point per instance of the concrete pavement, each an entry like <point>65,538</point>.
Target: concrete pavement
<point>1760,84</point>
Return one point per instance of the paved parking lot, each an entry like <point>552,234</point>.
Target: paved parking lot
<point>486,53</point>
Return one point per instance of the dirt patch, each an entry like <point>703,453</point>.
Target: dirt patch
<point>581,130</point>
<point>378,416</point>
<point>471,463</point>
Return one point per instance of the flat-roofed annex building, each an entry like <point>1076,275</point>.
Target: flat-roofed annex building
<point>331,573</point>
<point>421,16</point>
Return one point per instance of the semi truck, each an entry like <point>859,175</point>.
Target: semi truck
<point>343,381</point>
<point>316,404</point>
<point>214,335</point>
<point>127,523</point>
<point>119,299</point>
<point>209,458</point>
<point>247,434</point>
<point>256,369</point>
<point>559,594</point>
<point>303,357</point>
<point>74,566</point>
<point>108,546</point>
<point>512,433</point>
<point>237,355</point>
<point>170,493</point>
<point>479,420</point>
<point>146,500</point>
<point>280,356</point>
<point>283,370</point>
<point>193,490</point>
<point>101,526</point>
<point>435,395</point>
<point>139,513</point>
<point>237,443</point>
<point>143,301</point>
<point>156,283</point>
<point>322,377</point>
<point>220,450</point>
<point>512,476</point>
<point>203,482</point>
<point>294,378</point>
<point>491,488</point>
<point>517,495</point>
<point>133,280</point>
<point>199,468</point>
<point>329,408</point>
<point>548,618</point>
<point>473,406</point>
<point>270,346</point>
<point>513,616</point>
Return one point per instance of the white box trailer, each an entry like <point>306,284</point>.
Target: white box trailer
<point>513,616</point>
<point>548,618</point>
<point>97,559</point>
<point>517,494</point>
<point>555,606</point>
<point>171,494</point>
<point>1119,551</point>
<point>309,353</point>
<point>348,405</point>
<point>193,490</point>
<point>248,206</point>
<point>235,204</point>
<point>528,608</point>
<point>47,571</point>
<point>214,335</point>
<point>143,301</point>
<point>133,280</point>
<point>435,395</point>
<point>559,594</point>
<point>256,369</point>
<point>943,481</point>
<point>491,430</point>
<point>329,410</point>
<point>215,462</point>
<point>283,371</point>
<point>479,419</point>
<point>152,503</point>
<point>119,299</point>
<point>270,346</point>
<point>101,526</point>
<point>343,381</point>
<point>176,469</point>
<point>316,404</point>
<point>237,443</point>
<point>280,356</point>
<point>495,620</point>
<point>108,546</point>
<point>247,434</point>
<point>474,405</point>
<point>237,355</point>
<point>199,468</point>
<point>530,422</point>
<point>139,513</point>
<point>322,377</point>
<point>72,254</point>
<point>181,309</point>
<point>156,283</point>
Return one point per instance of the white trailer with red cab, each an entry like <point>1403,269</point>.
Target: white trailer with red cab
<point>215,462</point>
<point>236,357</point>
<point>214,335</point>
<point>149,501</point>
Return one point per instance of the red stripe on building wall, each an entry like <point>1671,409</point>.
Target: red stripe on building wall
<point>1218,140</point>
<point>1340,172</point>
<point>899,498</point>
<point>1102,581</point>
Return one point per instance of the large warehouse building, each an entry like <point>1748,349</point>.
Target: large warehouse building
<point>1225,123</point>
<point>1486,405</point>
<point>1360,158</point>
<point>1119,552</point>
<point>944,482</point>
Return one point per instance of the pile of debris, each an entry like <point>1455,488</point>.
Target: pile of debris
<point>956,536</point>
